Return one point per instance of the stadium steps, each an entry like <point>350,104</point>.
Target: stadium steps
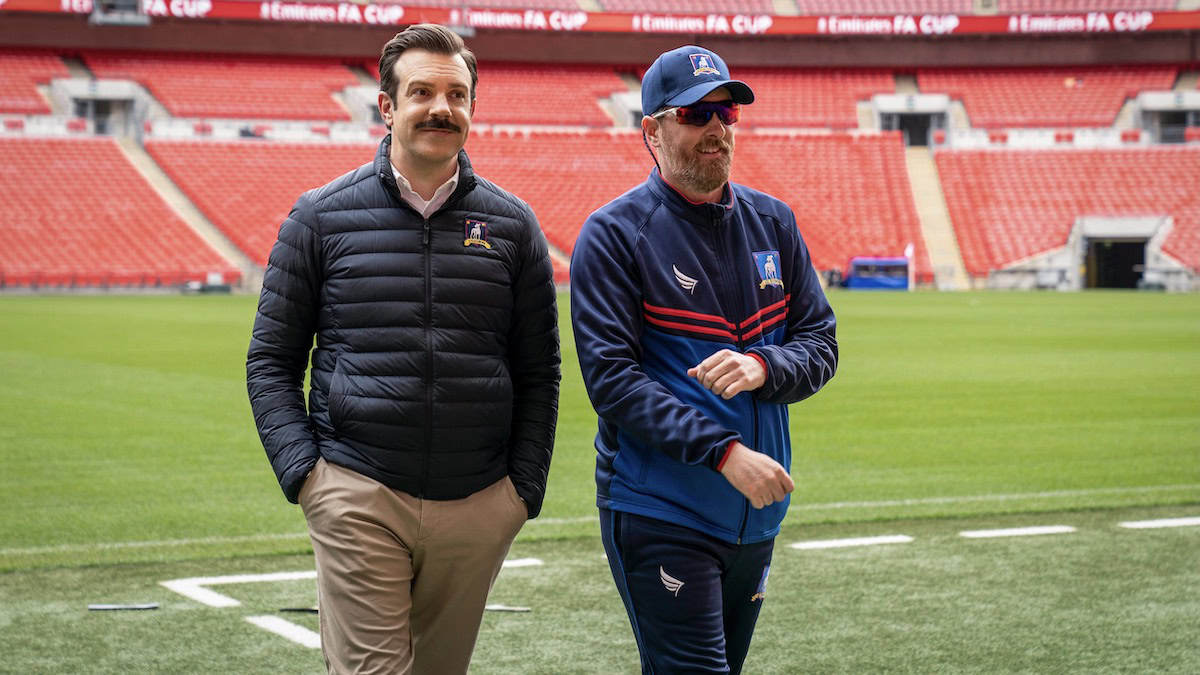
<point>77,68</point>
<point>944,256</point>
<point>1125,115</point>
<point>1187,5</point>
<point>1188,79</point>
<point>590,6</point>
<point>786,7</point>
<point>958,115</point>
<point>174,197</point>
<point>365,78</point>
<point>906,83</point>
<point>866,115</point>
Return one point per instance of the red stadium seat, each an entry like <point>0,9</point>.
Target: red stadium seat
<point>105,225</point>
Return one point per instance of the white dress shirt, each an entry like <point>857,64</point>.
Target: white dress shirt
<point>426,208</point>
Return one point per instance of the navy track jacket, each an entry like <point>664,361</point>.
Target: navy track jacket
<point>658,284</point>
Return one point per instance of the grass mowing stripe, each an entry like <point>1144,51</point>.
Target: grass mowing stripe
<point>168,543</point>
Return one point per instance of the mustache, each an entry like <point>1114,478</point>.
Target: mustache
<point>438,123</point>
<point>718,145</point>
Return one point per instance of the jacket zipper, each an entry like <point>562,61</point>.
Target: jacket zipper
<point>725,288</point>
<point>427,255</point>
<point>426,459</point>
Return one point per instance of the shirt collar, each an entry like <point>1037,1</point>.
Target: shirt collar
<point>425,208</point>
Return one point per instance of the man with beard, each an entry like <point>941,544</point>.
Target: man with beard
<point>698,318</point>
<point>430,421</point>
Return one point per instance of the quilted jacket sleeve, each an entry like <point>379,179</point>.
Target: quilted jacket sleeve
<point>534,364</point>
<point>279,347</point>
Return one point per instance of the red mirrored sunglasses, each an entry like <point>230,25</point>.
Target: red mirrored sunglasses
<point>699,114</point>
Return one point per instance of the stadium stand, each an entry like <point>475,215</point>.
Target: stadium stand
<point>563,175</point>
<point>194,85</point>
<point>490,4</point>
<point>77,213</point>
<point>1008,205</point>
<point>20,73</point>
<point>885,6</point>
<point>1044,97</point>
<point>691,6</point>
<point>851,193</point>
<point>546,94</point>
<point>1018,6</point>
<point>247,188</point>
<point>790,97</point>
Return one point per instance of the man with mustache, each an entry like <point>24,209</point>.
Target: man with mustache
<point>698,318</point>
<point>430,421</point>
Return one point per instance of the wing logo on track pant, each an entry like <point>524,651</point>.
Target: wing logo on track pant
<point>669,582</point>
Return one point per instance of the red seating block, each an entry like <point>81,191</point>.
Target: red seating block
<point>255,87</point>
<point>691,6</point>
<point>105,225</point>
<point>878,7</point>
<point>1045,97</point>
<point>851,194</point>
<point>20,73</point>
<point>1009,205</point>
<point>795,97</point>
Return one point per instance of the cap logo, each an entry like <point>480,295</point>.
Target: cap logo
<point>703,64</point>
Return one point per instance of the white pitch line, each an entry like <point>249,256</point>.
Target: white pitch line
<point>193,587</point>
<point>1165,522</point>
<point>1017,531</point>
<point>847,543</point>
<point>200,594</point>
<point>298,634</point>
<point>523,562</point>
<point>795,512</point>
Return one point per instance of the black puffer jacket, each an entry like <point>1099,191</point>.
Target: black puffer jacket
<point>436,367</point>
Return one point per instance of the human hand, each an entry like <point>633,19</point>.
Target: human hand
<point>728,373</point>
<point>759,478</point>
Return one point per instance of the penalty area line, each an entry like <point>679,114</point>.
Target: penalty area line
<point>1017,532</point>
<point>849,543</point>
<point>286,629</point>
<point>1164,522</point>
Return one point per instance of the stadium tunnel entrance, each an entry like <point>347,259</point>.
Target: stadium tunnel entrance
<point>1115,263</point>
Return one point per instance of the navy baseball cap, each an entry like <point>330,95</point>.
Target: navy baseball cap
<point>685,75</point>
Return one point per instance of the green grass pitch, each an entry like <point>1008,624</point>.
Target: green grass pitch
<point>129,457</point>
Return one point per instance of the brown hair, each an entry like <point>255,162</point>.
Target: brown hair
<point>428,36</point>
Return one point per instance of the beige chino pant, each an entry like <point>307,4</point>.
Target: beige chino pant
<point>402,581</point>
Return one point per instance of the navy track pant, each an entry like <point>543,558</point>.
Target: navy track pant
<point>692,599</point>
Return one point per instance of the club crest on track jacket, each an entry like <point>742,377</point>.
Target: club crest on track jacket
<point>658,284</point>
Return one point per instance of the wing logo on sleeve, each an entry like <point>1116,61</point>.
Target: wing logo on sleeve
<point>669,582</point>
<point>687,283</point>
<point>476,233</point>
<point>768,268</point>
